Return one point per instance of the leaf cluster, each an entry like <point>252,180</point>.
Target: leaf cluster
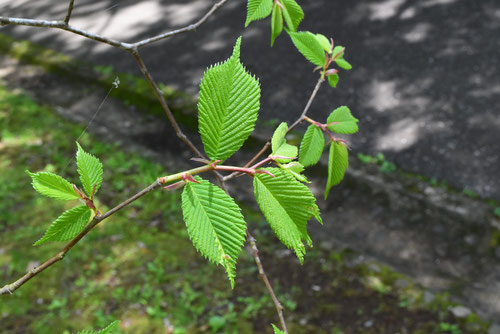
<point>73,221</point>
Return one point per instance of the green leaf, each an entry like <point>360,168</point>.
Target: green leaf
<point>277,330</point>
<point>325,43</point>
<point>295,168</point>
<point>214,223</point>
<point>342,121</point>
<point>111,328</point>
<point>89,169</point>
<point>309,47</point>
<point>52,185</point>
<point>67,226</point>
<point>279,145</point>
<point>287,205</point>
<point>337,165</point>
<point>276,23</point>
<point>311,146</point>
<point>342,63</point>
<point>292,13</point>
<point>258,9</point>
<point>337,50</point>
<point>228,106</point>
<point>333,80</point>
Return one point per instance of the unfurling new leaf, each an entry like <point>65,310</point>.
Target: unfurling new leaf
<point>53,185</point>
<point>337,165</point>
<point>279,145</point>
<point>295,168</point>
<point>90,171</point>
<point>342,121</point>
<point>311,146</point>
<point>333,80</point>
<point>214,223</point>
<point>258,9</point>
<point>67,226</point>
<point>338,54</point>
<point>228,106</point>
<point>276,23</point>
<point>287,205</point>
<point>309,47</point>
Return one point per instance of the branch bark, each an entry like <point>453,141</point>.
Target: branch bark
<point>190,27</point>
<point>263,276</point>
<point>70,10</point>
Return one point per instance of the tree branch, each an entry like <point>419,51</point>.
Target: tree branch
<point>262,273</point>
<point>10,288</point>
<point>164,105</point>
<point>190,27</point>
<point>63,26</point>
<point>294,125</point>
<point>70,9</point>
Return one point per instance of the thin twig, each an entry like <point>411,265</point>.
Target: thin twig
<point>297,122</point>
<point>10,288</point>
<point>262,273</point>
<point>164,105</point>
<point>63,26</point>
<point>70,9</point>
<point>190,27</point>
<point>308,105</point>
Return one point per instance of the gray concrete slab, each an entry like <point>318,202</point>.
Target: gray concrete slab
<point>425,83</point>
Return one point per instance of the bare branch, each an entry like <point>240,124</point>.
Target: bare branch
<point>308,105</point>
<point>164,105</point>
<point>294,125</point>
<point>190,27</point>
<point>70,9</point>
<point>262,273</point>
<point>63,26</point>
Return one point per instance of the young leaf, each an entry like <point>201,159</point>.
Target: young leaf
<point>52,185</point>
<point>228,106</point>
<point>333,80</point>
<point>325,43</point>
<point>295,168</point>
<point>311,146</point>
<point>214,223</point>
<point>89,169</point>
<point>292,13</point>
<point>276,23</point>
<point>277,330</point>
<point>337,165</point>
<point>279,145</point>
<point>337,50</point>
<point>258,9</point>
<point>287,205</point>
<point>67,226</point>
<point>308,45</point>
<point>110,329</point>
<point>342,121</point>
<point>342,63</point>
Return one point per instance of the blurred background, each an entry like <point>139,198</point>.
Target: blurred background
<point>411,236</point>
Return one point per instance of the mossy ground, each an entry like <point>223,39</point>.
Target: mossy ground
<point>140,267</point>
